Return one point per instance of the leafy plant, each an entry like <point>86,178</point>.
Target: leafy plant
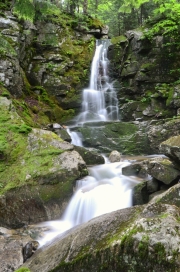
<point>24,9</point>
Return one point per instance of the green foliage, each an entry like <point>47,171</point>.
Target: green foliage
<point>128,5</point>
<point>5,47</point>
<point>165,20</point>
<point>24,9</point>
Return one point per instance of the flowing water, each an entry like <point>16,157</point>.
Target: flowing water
<point>99,100</point>
<point>105,189</point>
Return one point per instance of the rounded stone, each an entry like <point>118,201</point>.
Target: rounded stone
<point>115,156</point>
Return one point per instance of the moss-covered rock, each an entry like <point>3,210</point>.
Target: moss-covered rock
<point>89,156</point>
<point>38,170</point>
<point>171,148</point>
<point>135,239</point>
<point>169,196</point>
<point>148,72</point>
<point>120,136</point>
<point>163,170</point>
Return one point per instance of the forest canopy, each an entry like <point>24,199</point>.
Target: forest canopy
<point>160,16</point>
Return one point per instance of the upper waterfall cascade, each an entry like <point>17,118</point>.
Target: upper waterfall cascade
<point>99,100</point>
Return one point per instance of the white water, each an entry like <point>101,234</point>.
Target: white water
<point>99,100</point>
<point>104,190</point>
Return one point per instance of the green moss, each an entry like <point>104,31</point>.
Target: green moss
<point>19,165</point>
<point>160,252</point>
<point>60,190</point>
<point>6,48</point>
<point>148,66</point>
<point>23,269</point>
<point>118,39</point>
<point>23,128</point>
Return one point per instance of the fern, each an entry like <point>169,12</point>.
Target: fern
<point>25,9</point>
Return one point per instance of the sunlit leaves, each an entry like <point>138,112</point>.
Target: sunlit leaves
<point>24,9</point>
<point>127,6</point>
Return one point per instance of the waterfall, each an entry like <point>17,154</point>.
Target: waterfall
<point>105,189</point>
<point>99,100</point>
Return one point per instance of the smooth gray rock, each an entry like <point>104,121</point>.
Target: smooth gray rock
<point>115,156</point>
<point>136,239</point>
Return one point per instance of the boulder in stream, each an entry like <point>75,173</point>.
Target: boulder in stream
<point>141,238</point>
<point>115,156</point>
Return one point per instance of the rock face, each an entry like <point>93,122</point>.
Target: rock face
<point>38,171</point>
<point>136,239</point>
<point>154,176</point>
<point>44,65</point>
<point>144,84</point>
<point>129,138</point>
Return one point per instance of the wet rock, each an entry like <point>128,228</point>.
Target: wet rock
<point>63,134</point>
<point>29,249</point>
<point>132,169</point>
<point>140,194</point>
<point>120,136</point>
<point>152,186</point>
<point>115,156</point>
<point>90,157</point>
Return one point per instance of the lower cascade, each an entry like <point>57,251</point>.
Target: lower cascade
<point>104,190</point>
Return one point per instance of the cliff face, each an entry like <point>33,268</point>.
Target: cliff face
<point>44,65</point>
<point>147,76</point>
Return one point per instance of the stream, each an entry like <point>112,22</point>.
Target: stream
<point>105,189</point>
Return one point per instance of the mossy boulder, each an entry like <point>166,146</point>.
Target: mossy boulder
<point>120,136</point>
<point>171,148</point>
<point>163,170</point>
<point>169,196</point>
<point>38,170</point>
<point>159,132</point>
<point>134,239</point>
<point>90,157</point>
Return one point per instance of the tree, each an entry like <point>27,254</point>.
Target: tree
<point>85,6</point>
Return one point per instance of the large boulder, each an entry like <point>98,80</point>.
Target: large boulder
<point>136,239</point>
<point>163,170</point>
<point>129,138</point>
<point>38,171</point>
<point>169,196</point>
<point>90,157</point>
<point>171,148</point>
<point>125,138</point>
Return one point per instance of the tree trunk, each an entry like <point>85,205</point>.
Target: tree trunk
<point>85,6</point>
